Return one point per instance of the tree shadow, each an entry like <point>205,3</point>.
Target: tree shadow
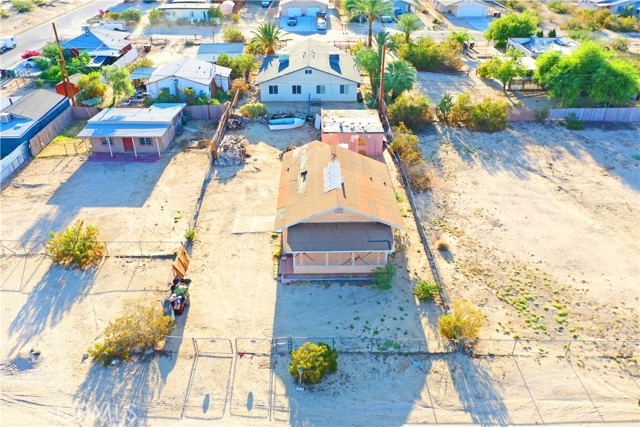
<point>51,298</point>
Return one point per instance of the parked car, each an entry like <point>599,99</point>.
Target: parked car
<point>112,25</point>
<point>292,21</point>
<point>398,12</point>
<point>29,62</point>
<point>386,19</point>
<point>321,24</point>
<point>266,3</point>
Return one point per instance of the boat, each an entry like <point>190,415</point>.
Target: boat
<point>287,123</point>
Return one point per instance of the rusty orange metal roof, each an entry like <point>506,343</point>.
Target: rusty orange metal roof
<point>366,188</point>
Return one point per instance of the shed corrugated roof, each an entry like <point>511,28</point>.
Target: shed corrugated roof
<point>191,69</point>
<point>351,121</point>
<point>98,40</point>
<point>34,105</point>
<point>157,113</point>
<point>103,130</point>
<point>367,188</point>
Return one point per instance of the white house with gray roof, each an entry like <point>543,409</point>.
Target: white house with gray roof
<point>309,70</point>
<point>615,6</point>
<point>201,76</point>
<point>462,8</point>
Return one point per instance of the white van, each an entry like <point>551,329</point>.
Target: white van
<point>7,43</point>
<point>111,25</point>
<point>266,3</point>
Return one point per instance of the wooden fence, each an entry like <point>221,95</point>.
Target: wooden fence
<point>222,127</point>
<point>84,113</point>
<point>204,112</point>
<point>598,114</point>
<point>50,131</point>
<point>521,115</point>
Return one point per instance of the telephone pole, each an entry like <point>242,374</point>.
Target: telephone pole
<point>63,68</point>
<point>384,49</point>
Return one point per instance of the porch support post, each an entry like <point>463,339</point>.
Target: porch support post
<point>353,258</point>
<point>86,148</point>
<point>158,145</point>
<point>109,142</point>
<point>326,259</point>
<point>135,152</point>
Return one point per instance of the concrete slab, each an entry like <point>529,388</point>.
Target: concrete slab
<point>479,23</point>
<point>305,25</point>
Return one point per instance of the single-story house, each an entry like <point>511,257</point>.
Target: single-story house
<point>22,120</point>
<point>405,5</point>
<point>533,46</point>
<point>336,210</point>
<point>104,46</point>
<point>309,70</point>
<point>462,8</point>
<point>134,130</point>
<point>193,12</point>
<point>615,6</point>
<point>303,7</point>
<point>358,130</point>
<point>210,51</point>
<point>201,76</point>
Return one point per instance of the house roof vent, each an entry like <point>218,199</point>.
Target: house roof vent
<point>332,176</point>
<point>5,117</point>
<point>334,58</point>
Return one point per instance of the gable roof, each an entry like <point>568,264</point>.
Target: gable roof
<point>127,122</point>
<point>366,189</point>
<point>309,53</point>
<point>98,41</point>
<point>191,69</point>
<point>34,105</point>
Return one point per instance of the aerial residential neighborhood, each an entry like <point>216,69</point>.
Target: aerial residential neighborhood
<point>319,212</point>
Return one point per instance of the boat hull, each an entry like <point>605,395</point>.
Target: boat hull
<point>282,124</point>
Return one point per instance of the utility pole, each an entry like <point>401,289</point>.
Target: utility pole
<point>63,68</point>
<point>384,50</point>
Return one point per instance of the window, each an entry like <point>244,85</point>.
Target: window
<point>273,90</point>
<point>145,141</point>
<point>320,89</point>
<point>296,89</point>
<point>344,89</point>
<point>308,71</point>
<point>106,141</point>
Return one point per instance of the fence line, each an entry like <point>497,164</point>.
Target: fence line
<point>14,161</point>
<point>135,248</point>
<point>598,114</point>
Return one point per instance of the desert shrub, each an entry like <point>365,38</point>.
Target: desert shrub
<point>112,15</point>
<point>253,110</point>
<point>426,55</point>
<point>464,322</point>
<point>3,13</point>
<point>542,114</point>
<point>22,6</point>
<point>140,328</point>
<point>189,43</point>
<point>91,86</point>
<point>75,246</point>
<point>426,290</point>
<point>489,115</point>
<point>412,109</point>
<point>190,234</point>
<point>443,245</point>
<point>621,44</point>
<point>39,83</point>
<point>443,109</point>
<point>156,16</point>
<point>461,109</point>
<point>133,15</point>
<point>552,33</point>
<point>215,12</point>
<point>560,7</point>
<point>516,5</point>
<point>235,18</point>
<point>572,122</point>
<point>383,276</point>
<point>622,24</point>
<point>315,360</point>
<point>407,146</point>
<point>357,47</point>
<point>232,35</point>
<point>241,85</point>
<point>139,63</point>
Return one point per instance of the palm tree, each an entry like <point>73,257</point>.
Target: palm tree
<point>372,9</point>
<point>408,23</point>
<point>398,77</point>
<point>268,37</point>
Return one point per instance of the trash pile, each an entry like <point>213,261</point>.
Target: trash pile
<point>232,151</point>
<point>237,122</point>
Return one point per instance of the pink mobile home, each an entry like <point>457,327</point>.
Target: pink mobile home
<point>358,130</point>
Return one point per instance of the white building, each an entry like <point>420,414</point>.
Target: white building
<point>309,70</point>
<point>462,8</point>
<point>201,76</point>
<point>532,47</point>
<point>615,6</point>
<point>193,12</point>
<point>303,7</point>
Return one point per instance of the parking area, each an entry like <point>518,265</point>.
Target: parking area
<point>304,25</point>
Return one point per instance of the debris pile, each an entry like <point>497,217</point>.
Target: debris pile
<point>232,151</point>
<point>237,122</point>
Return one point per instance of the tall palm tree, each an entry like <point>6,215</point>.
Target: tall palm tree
<point>409,23</point>
<point>267,37</point>
<point>398,77</point>
<point>372,9</point>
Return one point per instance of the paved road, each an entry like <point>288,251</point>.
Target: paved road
<point>68,24</point>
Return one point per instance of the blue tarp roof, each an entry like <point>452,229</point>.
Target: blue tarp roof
<point>103,130</point>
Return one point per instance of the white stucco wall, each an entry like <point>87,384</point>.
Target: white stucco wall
<point>154,88</point>
<point>308,83</point>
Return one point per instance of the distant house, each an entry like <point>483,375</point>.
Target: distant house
<point>615,6</point>
<point>134,130</point>
<point>532,47</point>
<point>104,46</point>
<point>210,51</point>
<point>303,7</point>
<point>336,210</point>
<point>21,122</point>
<point>462,8</point>
<point>201,76</point>
<point>358,130</point>
<point>405,5</point>
<point>191,11</point>
<point>74,89</point>
<point>309,70</point>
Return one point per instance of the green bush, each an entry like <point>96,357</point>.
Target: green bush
<point>139,63</point>
<point>133,15</point>
<point>75,246</point>
<point>315,360</point>
<point>489,115</point>
<point>383,276</point>
<point>39,83</point>
<point>426,55</point>
<point>3,13</point>
<point>443,109</point>
<point>232,35</point>
<point>235,18</point>
<point>412,109</point>
<point>112,15</point>
<point>190,234</point>
<point>572,122</point>
<point>22,6</point>
<point>156,16</point>
<point>465,321</point>
<point>552,33</point>
<point>621,44</point>
<point>426,290</point>
<point>253,110</point>
<point>542,114</point>
<point>461,109</point>
<point>141,327</point>
<point>560,7</point>
<point>407,146</point>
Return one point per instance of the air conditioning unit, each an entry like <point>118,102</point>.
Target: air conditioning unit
<point>5,117</point>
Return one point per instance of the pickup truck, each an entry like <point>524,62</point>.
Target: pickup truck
<point>7,43</point>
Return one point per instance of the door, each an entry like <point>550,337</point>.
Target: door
<point>312,10</point>
<point>294,11</point>
<point>128,144</point>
